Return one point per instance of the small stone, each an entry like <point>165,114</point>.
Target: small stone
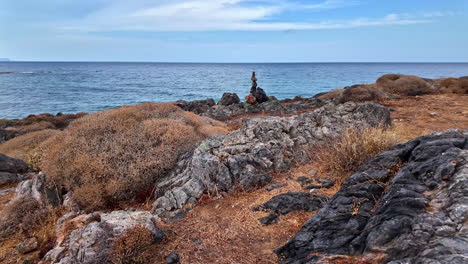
<point>270,219</point>
<point>327,184</point>
<point>313,186</point>
<point>27,245</point>
<point>274,186</point>
<point>434,114</point>
<point>313,172</point>
<point>172,258</point>
<point>302,179</point>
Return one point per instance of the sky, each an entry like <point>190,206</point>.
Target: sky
<point>235,30</point>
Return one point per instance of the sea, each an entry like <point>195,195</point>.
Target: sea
<point>69,87</point>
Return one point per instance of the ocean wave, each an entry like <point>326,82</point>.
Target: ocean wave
<point>26,72</point>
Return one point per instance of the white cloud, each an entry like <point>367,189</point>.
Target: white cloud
<point>225,15</point>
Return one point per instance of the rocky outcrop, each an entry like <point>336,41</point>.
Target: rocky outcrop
<point>6,135</point>
<point>11,170</point>
<point>229,99</point>
<point>198,106</point>
<point>407,205</point>
<point>92,240</point>
<point>272,107</point>
<point>244,159</point>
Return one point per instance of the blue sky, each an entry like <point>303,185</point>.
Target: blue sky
<point>235,30</point>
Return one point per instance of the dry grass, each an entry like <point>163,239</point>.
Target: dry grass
<point>136,246</point>
<point>26,147</point>
<point>110,157</point>
<point>343,156</point>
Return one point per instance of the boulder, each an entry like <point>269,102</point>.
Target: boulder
<point>406,205</point>
<point>11,170</point>
<point>229,99</point>
<point>198,106</point>
<point>453,85</point>
<point>92,240</point>
<point>260,95</point>
<point>243,159</point>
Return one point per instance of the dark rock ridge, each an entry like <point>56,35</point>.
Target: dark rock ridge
<point>407,205</point>
<point>11,170</point>
<point>244,159</point>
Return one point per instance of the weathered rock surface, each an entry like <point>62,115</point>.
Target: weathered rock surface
<point>27,245</point>
<point>11,170</point>
<point>407,205</point>
<point>244,159</point>
<point>37,189</point>
<point>229,99</point>
<point>92,241</point>
<point>260,95</point>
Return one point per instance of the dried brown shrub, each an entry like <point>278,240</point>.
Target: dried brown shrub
<point>453,85</point>
<point>26,147</point>
<point>404,85</point>
<point>136,246</point>
<point>108,157</point>
<point>343,156</point>
<point>331,94</point>
<point>362,93</point>
<point>25,218</point>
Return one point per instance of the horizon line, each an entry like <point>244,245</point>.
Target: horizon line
<point>227,62</point>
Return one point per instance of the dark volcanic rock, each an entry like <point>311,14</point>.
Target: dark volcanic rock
<point>173,258</point>
<point>274,186</point>
<point>198,106</point>
<point>11,170</point>
<point>229,99</point>
<point>260,95</point>
<point>6,135</point>
<point>293,201</point>
<point>244,159</point>
<point>269,219</point>
<point>408,204</point>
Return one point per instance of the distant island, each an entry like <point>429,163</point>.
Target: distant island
<point>4,59</point>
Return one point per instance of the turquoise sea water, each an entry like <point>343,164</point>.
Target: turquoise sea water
<point>69,87</point>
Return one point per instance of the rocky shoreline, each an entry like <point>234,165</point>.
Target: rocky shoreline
<point>406,205</point>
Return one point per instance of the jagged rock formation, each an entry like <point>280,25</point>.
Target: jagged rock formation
<point>244,159</point>
<point>11,170</point>
<point>407,205</point>
<point>92,240</point>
